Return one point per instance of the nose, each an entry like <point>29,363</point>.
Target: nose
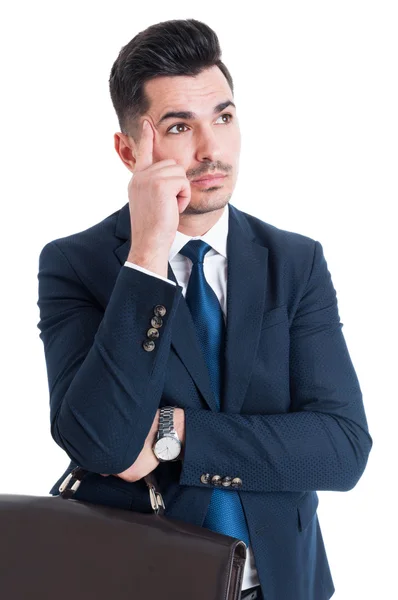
<point>207,147</point>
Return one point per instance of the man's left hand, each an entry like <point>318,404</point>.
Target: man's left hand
<point>146,461</point>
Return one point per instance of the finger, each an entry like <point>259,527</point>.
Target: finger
<point>166,162</point>
<point>184,195</point>
<point>144,157</point>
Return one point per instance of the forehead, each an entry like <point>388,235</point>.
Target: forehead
<point>183,92</point>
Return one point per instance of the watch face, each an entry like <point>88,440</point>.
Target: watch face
<point>167,448</point>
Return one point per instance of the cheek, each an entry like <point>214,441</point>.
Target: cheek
<point>230,150</point>
<point>236,142</point>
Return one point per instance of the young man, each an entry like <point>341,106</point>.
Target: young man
<point>184,335</point>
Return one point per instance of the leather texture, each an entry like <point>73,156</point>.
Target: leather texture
<point>63,548</point>
<point>292,419</point>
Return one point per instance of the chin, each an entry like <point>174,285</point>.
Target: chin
<point>206,205</point>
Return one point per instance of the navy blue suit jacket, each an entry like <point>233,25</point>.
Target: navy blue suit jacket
<point>292,419</point>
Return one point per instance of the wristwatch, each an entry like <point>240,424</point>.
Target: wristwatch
<point>167,446</point>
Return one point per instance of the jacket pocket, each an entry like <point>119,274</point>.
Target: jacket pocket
<point>306,509</point>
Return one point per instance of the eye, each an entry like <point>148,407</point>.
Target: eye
<point>183,124</point>
<point>226,115</point>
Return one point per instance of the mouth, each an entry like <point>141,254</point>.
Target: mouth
<point>209,179</point>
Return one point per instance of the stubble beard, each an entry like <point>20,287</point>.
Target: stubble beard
<point>207,203</point>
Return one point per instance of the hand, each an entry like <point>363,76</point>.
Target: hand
<point>158,192</point>
<point>146,461</point>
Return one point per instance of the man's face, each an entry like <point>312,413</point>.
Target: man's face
<point>207,143</point>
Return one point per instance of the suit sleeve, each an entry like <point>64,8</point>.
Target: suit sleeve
<point>323,443</point>
<point>99,375</point>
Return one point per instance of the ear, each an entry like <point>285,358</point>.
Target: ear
<point>125,148</point>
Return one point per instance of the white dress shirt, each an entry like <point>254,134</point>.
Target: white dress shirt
<point>215,271</point>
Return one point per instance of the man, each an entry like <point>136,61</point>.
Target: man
<point>179,310</point>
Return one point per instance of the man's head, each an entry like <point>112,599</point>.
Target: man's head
<point>175,66</point>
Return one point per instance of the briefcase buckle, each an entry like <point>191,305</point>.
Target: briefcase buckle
<point>78,473</point>
<point>156,499</point>
<point>65,484</point>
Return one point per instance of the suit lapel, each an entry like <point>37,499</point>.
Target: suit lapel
<point>246,285</point>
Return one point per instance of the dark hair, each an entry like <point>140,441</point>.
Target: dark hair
<point>176,47</point>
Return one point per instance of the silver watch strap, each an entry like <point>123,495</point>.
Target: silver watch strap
<point>166,422</point>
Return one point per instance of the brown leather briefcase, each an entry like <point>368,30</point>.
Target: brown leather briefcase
<point>58,547</point>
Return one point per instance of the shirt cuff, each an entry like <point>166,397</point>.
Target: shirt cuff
<point>133,266</point>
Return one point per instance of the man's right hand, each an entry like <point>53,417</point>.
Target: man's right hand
<point>158,192</point>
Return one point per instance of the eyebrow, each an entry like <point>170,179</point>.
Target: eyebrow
<point>188,115</point>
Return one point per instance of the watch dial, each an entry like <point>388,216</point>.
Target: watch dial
<point>167,448</point>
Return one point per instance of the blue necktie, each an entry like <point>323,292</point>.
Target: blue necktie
<point>225,514</point>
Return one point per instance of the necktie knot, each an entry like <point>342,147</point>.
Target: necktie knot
<point>195,250</point>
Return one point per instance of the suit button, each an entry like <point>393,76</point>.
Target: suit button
<point>236,482</point>
<point>205,478</point>
<point>148,345</point>
<point>156,322</point>
<point>226,481</point>
<point>159,310</point>
<point>152,333</point>
<point>216,480</point>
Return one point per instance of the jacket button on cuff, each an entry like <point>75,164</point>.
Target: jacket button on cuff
<point>236,482</point>
<point>205,478</point>
<point>226,481</point>
<point>216,480</point>
<point>148,345</point>
<point>159,310</point>
<point>156,322</point>
<point>152,333</point>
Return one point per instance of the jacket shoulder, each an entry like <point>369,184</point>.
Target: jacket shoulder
<point>89,242</point>
<point>277,239</point>
<point>94,236</point>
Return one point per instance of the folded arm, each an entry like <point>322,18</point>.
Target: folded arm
<point>323,443</point>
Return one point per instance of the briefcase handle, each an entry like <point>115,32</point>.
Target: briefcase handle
<point>76,476</point>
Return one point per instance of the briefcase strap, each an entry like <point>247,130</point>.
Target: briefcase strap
<point>72,482</point>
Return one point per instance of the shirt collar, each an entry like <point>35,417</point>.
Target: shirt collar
<point>216,237</point>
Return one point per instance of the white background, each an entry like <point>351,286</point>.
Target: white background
<point>316,94</point>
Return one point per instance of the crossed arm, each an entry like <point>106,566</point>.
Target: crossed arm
<point>97,398</point>
<point>322,444</point>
